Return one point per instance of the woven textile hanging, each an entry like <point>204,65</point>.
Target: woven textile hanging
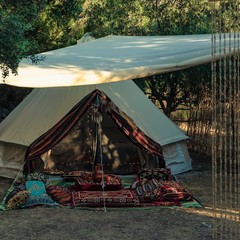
<point>226,119</point>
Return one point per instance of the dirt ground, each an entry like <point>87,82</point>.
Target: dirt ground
<point>155,224</point>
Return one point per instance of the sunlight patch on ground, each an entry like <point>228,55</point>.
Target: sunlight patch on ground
<point>227,214</point>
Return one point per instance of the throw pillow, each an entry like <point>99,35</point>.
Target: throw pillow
<point>18,200</point>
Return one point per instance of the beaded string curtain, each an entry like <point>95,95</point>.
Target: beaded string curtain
<point>226,119</point>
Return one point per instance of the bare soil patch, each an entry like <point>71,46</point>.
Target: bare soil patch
<point>155,224</point>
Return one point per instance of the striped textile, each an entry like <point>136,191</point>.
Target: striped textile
<point>54,135</point>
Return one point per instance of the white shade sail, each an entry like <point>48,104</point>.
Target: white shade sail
<point>116,58</point>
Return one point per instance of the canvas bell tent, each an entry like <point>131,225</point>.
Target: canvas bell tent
<point>42,110</point>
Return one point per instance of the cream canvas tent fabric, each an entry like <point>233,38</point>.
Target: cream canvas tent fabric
<point>43,108</point>
<point>117,58</point>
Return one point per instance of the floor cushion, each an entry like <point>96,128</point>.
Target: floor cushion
<point>60,195</point>
<point>38,194</point>
<point>37,177</point>
<point>148,190</point>
<point>18,200</point>
<point>157,173</point>
<point>111,183</point>
<point>16,189</point>
<point>120,198</point>
<point>173,191</point>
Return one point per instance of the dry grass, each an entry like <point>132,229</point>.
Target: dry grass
<point>154,224</point>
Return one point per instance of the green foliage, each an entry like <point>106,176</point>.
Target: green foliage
<point>178,90</point>
<point>134,17</point>
<point>57,25</point>
<point>32,26</point>
<point>15,21</point>
<point>28,27</point>
<point>182,17</point>
<point>225,16</point>
<point>116,17</point>
<point>170,91</point>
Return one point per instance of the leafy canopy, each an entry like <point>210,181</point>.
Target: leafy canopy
<point>32,26</point>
